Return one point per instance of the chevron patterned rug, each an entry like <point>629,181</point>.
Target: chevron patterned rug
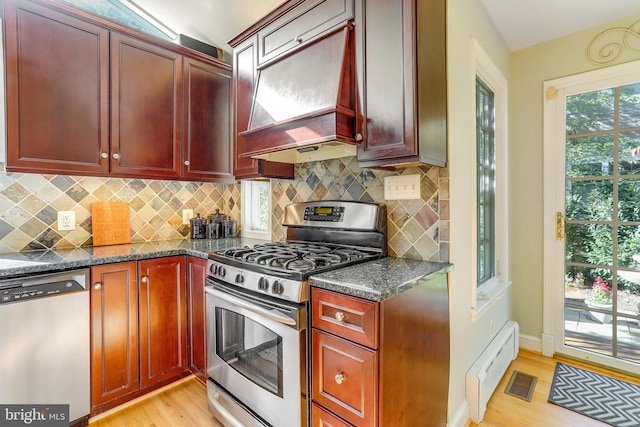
<point>597,396</point>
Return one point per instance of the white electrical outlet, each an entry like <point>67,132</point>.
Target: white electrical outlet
<point>402,187</point>
<point>187,214</point>
<point>66,220</point>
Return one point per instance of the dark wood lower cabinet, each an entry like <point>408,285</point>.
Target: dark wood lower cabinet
<point>381,363</point>
<point>139,329</point>
<point>163,319</point>
<point>197,357</point>
<point>114,332</point>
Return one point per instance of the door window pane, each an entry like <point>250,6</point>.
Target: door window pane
<point>630,106</point>
<point>590,112</point>
<point>590,156</point>
<point>589,200</point>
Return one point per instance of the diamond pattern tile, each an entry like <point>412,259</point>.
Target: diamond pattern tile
<point>29,205</point>
<point>415,228</point>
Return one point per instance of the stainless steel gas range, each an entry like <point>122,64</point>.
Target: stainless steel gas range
<point>257,310</point>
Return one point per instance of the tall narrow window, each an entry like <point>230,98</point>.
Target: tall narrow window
<point>256,218</point>
<point>486,183</point>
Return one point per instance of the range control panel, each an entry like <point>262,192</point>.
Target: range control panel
<point>324,213</point>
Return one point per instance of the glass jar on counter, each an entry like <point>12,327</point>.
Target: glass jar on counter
<point>198,227</point>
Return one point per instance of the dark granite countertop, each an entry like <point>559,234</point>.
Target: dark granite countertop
<point>26,263</point>
<point>379,279</point>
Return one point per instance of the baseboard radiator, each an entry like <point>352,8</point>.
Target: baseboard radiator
<point>487,371</point>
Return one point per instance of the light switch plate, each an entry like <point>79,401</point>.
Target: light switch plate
<point>402,187</point>
<point>66,220</point>
<point>187,214</point>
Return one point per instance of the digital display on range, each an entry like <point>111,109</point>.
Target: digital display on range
<point>323,211</point>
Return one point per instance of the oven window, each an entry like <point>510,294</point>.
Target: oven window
<point>250,348</point>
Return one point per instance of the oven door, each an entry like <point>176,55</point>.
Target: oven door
<point>256,352</point>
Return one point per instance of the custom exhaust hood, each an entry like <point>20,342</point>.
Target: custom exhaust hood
<point>304,104</point>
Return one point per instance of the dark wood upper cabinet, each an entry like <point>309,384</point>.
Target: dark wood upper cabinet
<point>88,96</point>
<point>244,81</point>
<point>57,76</point>
<point>206,147</point>
<point>401,59</point>
<point>301,25</point>
<point>145,109</point>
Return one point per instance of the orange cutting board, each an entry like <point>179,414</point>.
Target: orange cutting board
<point>110,223</point>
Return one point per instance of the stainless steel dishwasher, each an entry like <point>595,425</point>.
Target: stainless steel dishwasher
<point>44,341</point>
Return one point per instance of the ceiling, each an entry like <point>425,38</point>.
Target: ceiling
<point>522,23</point>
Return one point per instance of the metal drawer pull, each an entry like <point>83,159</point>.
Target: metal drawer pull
<point>297,39</point>
<point>97,286</point>
<point>228,417</point>
<point>340,316</point>
<point>340,378</point>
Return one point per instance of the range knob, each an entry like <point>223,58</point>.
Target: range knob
<point>277,288</point>
<point>213,269</point>
<point>263,284</point>
<point>239,278</point>
<point>221,271</point>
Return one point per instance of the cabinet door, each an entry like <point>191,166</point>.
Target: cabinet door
<point>196,275</point>
<point>57,81</point>
<point>301,24</point>
<point>163,326</point>
<point>145,109</point>
<point>402,81</point>
<point>114,332</point>
<point>207,121</point>
<point>345,378</point>
<point>244,80</point>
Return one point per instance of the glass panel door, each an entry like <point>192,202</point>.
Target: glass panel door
<point>602,209</point>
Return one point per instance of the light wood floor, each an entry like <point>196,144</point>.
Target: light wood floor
<point>508,411</point>
<point>185,403</point>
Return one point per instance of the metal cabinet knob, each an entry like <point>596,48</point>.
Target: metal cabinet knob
<point>104,155</point>
<point>115,156</point>
<point>144,279</point>
<point>298,39</point>
<point>359,137</point>
<point>186,163</point>
<point>340,378</point>
<point>97,286</point>
<point>340,316</point>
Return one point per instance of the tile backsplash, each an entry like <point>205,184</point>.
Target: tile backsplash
<point>416,228</point>
<point>29,204</point>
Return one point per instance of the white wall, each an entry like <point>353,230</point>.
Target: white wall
<point>467,20</point>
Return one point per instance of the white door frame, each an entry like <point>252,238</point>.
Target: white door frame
<point>555,93</point>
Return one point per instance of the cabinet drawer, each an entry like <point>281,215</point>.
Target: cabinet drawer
<point>301,24</point>
<point>322,418</point>
<point>345,378</point>
<point>352,318</point>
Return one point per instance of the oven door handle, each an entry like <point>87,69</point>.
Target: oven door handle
<point>269,314</point>
<point>223,412</point>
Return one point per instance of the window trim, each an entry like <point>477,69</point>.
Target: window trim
<point>483,296</point>
<point>246,212</point>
